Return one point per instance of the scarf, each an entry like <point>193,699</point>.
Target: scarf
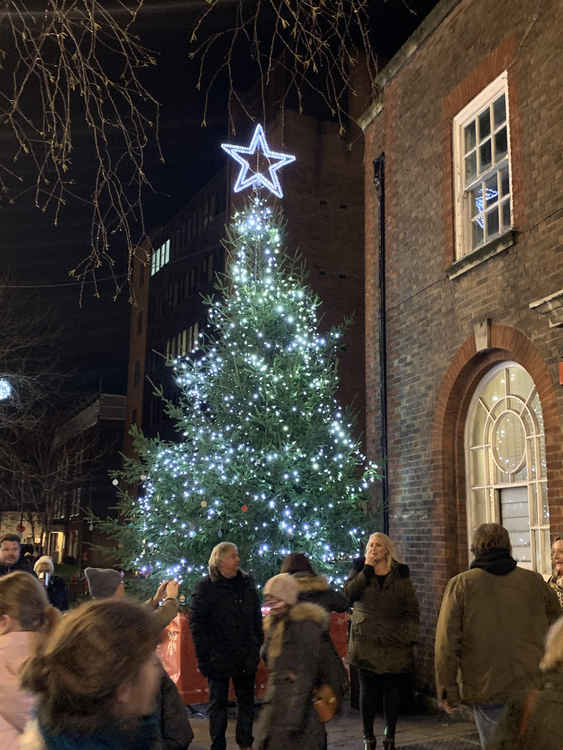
<point>143,737</point>
<point>496,561</point>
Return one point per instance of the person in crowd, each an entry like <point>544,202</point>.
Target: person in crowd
<point>490,632</point>
<point>106,582</point>
<point>295,652</point>
<point>535,721</point>
<point>95,680</point>
<point>383,632</point>
<point>555,581</point>
<point>312,587</point>
<point>226,625</point>
<point>175,731</point>
<point>55,586</point>
<point>10,555</point>
<point>25,617</point>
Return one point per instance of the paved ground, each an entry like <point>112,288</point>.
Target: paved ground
<point>427,732</point>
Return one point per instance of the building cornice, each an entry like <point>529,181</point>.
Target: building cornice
<point>400,59</point>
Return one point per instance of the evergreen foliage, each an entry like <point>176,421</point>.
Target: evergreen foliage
<point>265,457</point>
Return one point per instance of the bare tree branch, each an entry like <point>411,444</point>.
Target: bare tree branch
<point>316,43</point>
<point>77,62</point>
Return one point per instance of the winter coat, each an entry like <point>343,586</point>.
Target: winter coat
<point>315,589</point>
<point>143,738</point>
<point>490,635</point>
<point>57,593</point>
<point>385,619</point>
<point>23,564</point>
<point>15,703</point>
<point>543,727</point>
<point>175,728</point>
<point>165,613</point>
<point>226,625</point>
<point>295,653</point>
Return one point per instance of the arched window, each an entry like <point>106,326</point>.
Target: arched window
<point>505,463</point>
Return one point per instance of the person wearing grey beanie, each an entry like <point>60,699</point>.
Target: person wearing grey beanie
<point>296,644</point>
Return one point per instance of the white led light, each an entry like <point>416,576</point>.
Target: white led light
<point>257,178</point>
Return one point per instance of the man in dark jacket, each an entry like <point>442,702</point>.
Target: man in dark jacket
<point>491,630</point>
<point>10,555</point>
<point>226,624</point>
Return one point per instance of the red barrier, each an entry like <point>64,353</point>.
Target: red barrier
<point>177,653</point>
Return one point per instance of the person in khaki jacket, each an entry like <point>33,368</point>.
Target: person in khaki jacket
<point>491,631</point>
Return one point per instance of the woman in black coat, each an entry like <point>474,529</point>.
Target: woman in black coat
<point>44,569</point>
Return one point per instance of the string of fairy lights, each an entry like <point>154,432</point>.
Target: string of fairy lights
<point>266,457</point>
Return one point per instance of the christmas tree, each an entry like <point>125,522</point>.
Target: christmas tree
<point>265,457</point>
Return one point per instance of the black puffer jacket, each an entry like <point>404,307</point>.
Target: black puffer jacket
<point>315,589</point>
<point>295,656</point>
<point>226,625</point>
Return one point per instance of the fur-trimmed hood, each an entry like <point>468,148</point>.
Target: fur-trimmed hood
<point>308,583</point>
<point>298,613</point>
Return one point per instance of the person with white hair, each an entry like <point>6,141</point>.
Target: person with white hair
<point>55,586</point>
<point>535,721</point>
<point>226,625</point>
<point>383,632</point>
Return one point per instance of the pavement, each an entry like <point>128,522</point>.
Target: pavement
<point>416,732</point>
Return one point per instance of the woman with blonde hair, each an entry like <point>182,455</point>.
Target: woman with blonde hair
<point>25,616</point>
<point>535,722</point>
<point>95,679</point>
<point>383,631</point>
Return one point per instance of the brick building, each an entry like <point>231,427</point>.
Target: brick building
<point>464,276</point>
<point>323,205</point>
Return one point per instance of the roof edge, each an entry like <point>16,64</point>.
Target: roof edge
<point>400,58</point>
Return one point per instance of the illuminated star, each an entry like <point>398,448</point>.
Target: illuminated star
<point>256,178</point>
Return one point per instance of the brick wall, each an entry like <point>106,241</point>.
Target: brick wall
<point>433,366</point>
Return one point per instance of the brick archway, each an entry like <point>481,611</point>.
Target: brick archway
<point>448,460</point>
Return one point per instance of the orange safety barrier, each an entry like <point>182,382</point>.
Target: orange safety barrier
<point>177,653</point>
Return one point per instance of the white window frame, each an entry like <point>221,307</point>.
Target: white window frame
<point>535,482</point>
<point>463,228</point>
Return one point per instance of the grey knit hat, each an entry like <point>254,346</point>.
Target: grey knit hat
<point>283,587</point>
<point>102,582</point>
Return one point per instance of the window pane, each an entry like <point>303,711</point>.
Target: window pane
<point>536,408</point>
<point>506,222</point>
<point>479,419</point>
<point>469,136</point>
<point>499,111</point>
<point>477,468</point>
<point>492,222</point>
<point>491,191</point>
<point>478,509</point>
<point>484,124</point>
<point>476,200</point>
<point>494,390</point>
<point>485,155</point>
<point>477,233</point>
<point>470,167</point>
<point>532,489</point>
<point>500,144</point>
<point>504,181</point>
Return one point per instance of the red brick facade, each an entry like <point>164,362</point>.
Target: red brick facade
<point>433,364</point>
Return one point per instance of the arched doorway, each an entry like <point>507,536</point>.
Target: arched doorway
<point>505,462</point>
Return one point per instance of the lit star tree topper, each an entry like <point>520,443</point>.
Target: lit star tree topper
<point>264,456</point>
<point>248,177</point>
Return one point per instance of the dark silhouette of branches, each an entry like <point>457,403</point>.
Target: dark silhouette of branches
<point>75,65</point>
<point>316,43</point>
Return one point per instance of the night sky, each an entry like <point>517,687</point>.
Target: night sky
<point>37,256</point>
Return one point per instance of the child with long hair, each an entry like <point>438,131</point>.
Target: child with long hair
<point>95,679</point>
<point>25,617</point>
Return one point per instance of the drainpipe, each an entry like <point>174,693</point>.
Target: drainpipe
<point>379,182</point>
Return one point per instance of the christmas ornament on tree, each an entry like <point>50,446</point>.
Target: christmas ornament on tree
<point>265,456</point>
